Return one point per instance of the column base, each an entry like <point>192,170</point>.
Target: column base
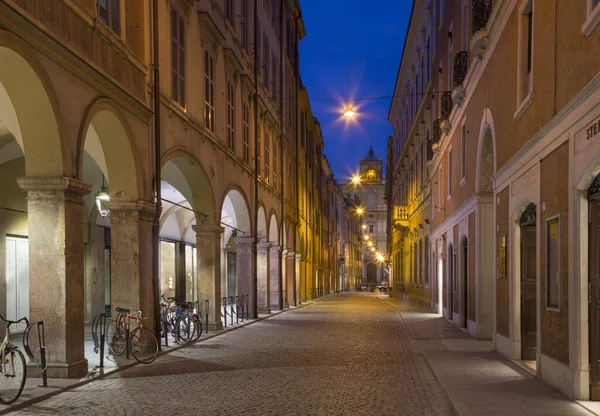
<point>215,326</point>
<point>75,370</point>
<point>264,310</point>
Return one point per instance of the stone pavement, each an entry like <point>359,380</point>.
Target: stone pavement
<point>477,380</point>
<point>345,354</point>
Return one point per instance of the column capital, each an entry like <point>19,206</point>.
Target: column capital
<point>143,210</point>
<point>263,245</point>
<point>276,248</point>
<point>208,231</point>
<point>291,254</point>
<point>50,187</point>
<point>248,240</point>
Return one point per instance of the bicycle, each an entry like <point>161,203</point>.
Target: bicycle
<point>179,321</point>
<point>12,366</point>
<point>140,341</point>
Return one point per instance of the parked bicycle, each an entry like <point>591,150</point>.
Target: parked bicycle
<point>180,320</point>
<point>128,334</point>
<point>12,366</point>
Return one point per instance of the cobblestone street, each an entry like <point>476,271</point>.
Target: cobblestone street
<point>346,354</point>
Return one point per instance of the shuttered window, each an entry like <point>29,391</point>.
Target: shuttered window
<point>177,57</point>
<point>246,133</point>
<point>109,12</point>
<point>267,155</point>
<point>209,91</point>
<point>231,116</point>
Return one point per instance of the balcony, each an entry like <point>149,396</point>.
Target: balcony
<point>446,111</point>
<point>400,216</point>
<point>460,66</point>
<point>481,12</point>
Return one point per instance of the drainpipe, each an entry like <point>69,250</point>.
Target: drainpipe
<point>256,167</point>
<point>157,171</point>
<point>281,139</point>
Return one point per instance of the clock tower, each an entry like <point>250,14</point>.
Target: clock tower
<point>371,167</point>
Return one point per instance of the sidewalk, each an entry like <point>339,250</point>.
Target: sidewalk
<point>478,380</point>
<point>33,392</point>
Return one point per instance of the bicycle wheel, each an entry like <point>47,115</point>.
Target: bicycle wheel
<point>144,346</point>
<point>12,376</point>
<point>186,328</point>
<point>115,337</point>
<point>198,333</point>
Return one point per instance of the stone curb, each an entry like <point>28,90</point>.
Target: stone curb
<point>101,375</point>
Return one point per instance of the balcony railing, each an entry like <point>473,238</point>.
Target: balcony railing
<point>482,9</point>
<point>460,68</point>
<point>437,131</point>
<point>446,105</point>
<point>401,215</point>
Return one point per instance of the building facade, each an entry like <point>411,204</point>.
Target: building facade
<point>511,101</point>
<point>368,189</point>
<point>153,148</point>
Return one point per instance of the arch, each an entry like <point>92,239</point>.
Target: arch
<point>486,153</point>
<point>273,228</point>
<point>186,174</point>
<point>262,223</point>
<point>30,110</point>
<point>235,213</point>
<point>107,137</point>
<point>371,274</point>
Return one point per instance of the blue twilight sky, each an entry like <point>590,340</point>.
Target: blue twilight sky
<point>352,49</point>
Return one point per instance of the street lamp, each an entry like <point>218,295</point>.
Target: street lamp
<point>102,197</point>
<point>349,112</point>
<point>360,211</point>
<point>364,226</point>
<point>356,179</point>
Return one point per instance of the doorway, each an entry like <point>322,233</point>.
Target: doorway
<point>17,280</point>
<point>594,287</point>
<point>231,273</point>
<point>528,284</point>
<point>451,277</point>
<point>465,285</point>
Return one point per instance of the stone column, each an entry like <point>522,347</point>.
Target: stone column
<point>131,257</point>
<point>245,260</point>
<point>208,242</point>
<point>290,275</point>
<point>275,278</point>
<point>300,278</point>
<point>263,270</point>
<point>56,293</point>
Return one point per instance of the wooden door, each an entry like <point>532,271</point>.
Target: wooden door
<point>593,298</point>
<point>528,293</point>
<point>465,285</point>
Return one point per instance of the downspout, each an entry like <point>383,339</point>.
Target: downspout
<point>157,170</point>
<point>281,161</point>
<point>297,130</point>
<point>256,169</point>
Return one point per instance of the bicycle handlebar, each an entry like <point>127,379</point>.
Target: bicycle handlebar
<point>15,322</point>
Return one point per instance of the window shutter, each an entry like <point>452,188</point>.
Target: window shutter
<point>174,56</point>
<point>181,60</point>
<point>115,17</point>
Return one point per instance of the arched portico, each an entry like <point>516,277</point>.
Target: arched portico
<point>237,242</point>
<point>263,263</point>
<point>275,264</point>
<point>189,203</point>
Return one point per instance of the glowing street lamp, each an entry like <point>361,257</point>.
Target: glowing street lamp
<point>360,211</point>
<point>366,237</point>
<point>380,257</point>
<point>356,179</point>
<point>364,226</point>
<point>349,112</point>
<point>102,198</point>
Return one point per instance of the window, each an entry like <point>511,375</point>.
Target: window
<point>258,153</point>
<point>463,152</point>
<point>465,25</point>
<point>246,133</point>
<point>245,24</point>
<point>450,173</point>
<point>230,11</point>
<point>371,228</point>
<point>267,155</point>
<point>427,61</point>
<point>593,17</point>
<point>450,55</point>
<point>525,57</point>
<point>502,258</point>
<point>257,44</point>
<point>177,57</point>
<point>553,263</point>
<point>109,12</point>
<point>231,116</point>
<point>266,68</point>
<point>274,163</point>
<point>209,91</point>
<point>441,13</point>
<point>274,77</point>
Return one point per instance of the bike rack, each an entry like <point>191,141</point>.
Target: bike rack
<point>231,309</point>
<point>237,310</point>
<point>224,310</point>
<point>42,343</point>
<point>99,322</point>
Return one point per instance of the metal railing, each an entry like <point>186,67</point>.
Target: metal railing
<point>481,10</point>
<point>460,65</point>
<point>39,355</point>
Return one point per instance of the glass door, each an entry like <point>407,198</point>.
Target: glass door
<point>17,280</point>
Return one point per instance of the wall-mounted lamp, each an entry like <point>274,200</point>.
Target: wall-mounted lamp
<point>102,198</point>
